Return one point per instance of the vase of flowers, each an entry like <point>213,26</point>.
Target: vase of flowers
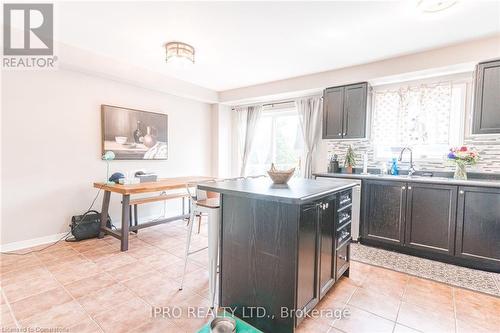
<point>350,159</point>
<point>462,157</point>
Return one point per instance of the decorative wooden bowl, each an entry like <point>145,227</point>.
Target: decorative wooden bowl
<point>280,176</point>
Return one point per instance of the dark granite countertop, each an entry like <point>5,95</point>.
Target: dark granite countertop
<point>415,179</point>
<point>295,192</point>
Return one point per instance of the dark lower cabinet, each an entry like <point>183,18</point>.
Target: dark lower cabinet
<point>320,263</point>
<point>430,217</point>
<point>308,257</point>
<point>478,225</point>
<point>460,225</point>
<point>342,260</point>
<point>327,245</point>
<point>316,258</point>
<point>384,212</point>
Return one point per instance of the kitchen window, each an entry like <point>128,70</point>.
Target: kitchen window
<point>426,117</point>
<point>278,140</point>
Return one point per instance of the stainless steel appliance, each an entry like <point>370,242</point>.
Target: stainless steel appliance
<point>356,210</point>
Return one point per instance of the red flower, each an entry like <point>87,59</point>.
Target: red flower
<point>463,148</point>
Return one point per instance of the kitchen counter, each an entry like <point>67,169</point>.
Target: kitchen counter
<point>495,183</point>
<point>295,192</point>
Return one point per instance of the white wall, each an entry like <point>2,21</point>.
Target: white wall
<point>222,141</point>
<point>51,146</point>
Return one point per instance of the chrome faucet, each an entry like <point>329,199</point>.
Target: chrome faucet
<point>411,170</point>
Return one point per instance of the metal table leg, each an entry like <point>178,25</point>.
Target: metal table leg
<point>136,219</point>
<point>125,222</point>
<point>104,212</point>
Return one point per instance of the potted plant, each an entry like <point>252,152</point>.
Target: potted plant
<point>350,160</point>
<point>462,157</point>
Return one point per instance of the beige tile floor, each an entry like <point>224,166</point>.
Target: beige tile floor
<point>91,286</point>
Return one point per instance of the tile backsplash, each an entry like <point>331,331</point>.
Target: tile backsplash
<point>487,146</point>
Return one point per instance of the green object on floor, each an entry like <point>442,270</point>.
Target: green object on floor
<point>241,326</point>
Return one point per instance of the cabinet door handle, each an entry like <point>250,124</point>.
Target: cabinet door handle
<point>326,205</point>
<point>344,134</point>
<point>403,188</point>
<point>409,187</point>
<point>342,257</point>
<point>340,134</point>
<point>462,192</point>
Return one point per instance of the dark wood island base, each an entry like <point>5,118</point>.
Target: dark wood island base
<point>282,247</point>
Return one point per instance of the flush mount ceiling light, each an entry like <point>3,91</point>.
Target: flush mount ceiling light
<point>433,6</point>
<point>179,50</point>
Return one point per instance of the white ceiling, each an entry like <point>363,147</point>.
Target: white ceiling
<point>245,43</point>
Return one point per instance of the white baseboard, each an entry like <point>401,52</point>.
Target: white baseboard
<point>14,246</point>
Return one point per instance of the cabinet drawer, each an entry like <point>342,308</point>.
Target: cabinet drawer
<point>342,259</point>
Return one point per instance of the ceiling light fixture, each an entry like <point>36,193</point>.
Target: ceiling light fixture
<point>433,6</point>
<point>179,50</point>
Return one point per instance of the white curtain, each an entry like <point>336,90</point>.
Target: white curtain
<point>309,110</point>
<point>248,117</point>
<point>411,116</point>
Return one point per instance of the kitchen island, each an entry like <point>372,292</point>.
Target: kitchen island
<point>282,247</point>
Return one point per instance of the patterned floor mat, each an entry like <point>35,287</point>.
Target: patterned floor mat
<point>467,278</point>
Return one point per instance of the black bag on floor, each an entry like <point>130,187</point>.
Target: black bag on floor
<point>87,225</point>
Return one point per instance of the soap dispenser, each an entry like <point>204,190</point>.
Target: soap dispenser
<point>394,167</point>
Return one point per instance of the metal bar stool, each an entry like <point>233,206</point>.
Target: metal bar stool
<point>201,203</point>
